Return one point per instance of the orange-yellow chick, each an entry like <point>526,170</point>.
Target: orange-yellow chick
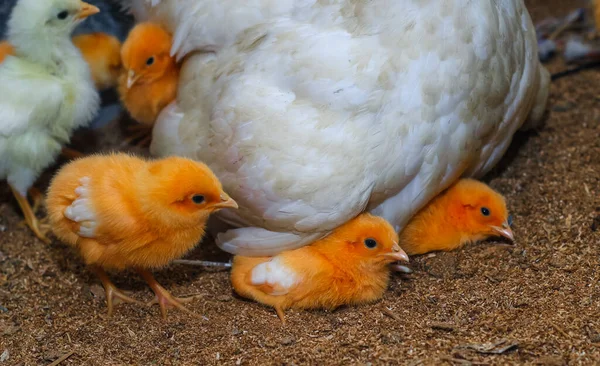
<point>122,212</point>
<point>350,266</point>
<point>5,50</point>
<point>149,81</point>
<point>102,52</point>
<point>468,211</point>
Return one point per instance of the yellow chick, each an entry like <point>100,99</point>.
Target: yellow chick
<point>102,52</point>
<point>46,92</point>
<point>151,75</point>
<point>468,211</point>
<point>123,212</point>
<point>349,266</point>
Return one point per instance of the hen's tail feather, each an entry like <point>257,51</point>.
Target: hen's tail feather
<point>257,242</point>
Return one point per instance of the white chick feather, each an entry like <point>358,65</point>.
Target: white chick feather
<point>312,112</point>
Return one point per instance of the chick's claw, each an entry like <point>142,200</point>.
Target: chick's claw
<point>30,220</point>
<point>163,298</point>
<point>114,296</point>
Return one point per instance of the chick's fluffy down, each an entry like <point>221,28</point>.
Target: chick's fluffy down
<point>127,225</point>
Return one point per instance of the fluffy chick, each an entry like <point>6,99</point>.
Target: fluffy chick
<point>46,92</point>
<point>349,266</point>
<point>468,211</point>
<point>122,212</point>
<point>103,54</point>
<point>149,82</point>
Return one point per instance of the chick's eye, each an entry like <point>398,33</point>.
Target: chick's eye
<point>150,61</point>
<point>62,15</point>
<point>485,211</point>
<point>198,199</point>
<point>370,243</point>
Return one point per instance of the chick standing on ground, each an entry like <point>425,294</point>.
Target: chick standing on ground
<point>468,211</point>
<point>350,266</point>
<point>123,212</point>
<point>149,82</point>
<point>46,92</point>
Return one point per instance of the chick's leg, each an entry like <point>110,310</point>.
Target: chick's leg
<point>280,314</point>
<point>38,200</point>
<point>164,299</point>
<point>29,214</point>
<point>137,132</point>
<point>113,295</point>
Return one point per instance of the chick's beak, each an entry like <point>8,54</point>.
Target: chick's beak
<point>85,10</point>
<point>504,231</point>
<point>397,254</point>
<point>131,78</point>
<point>226,202</point>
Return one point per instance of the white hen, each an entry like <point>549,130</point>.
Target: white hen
<point>311,112</point>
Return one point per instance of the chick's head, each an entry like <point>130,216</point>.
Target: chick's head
<point>181,192</point>
<point>366,239</point>
<point>146,53</point>
<point>482,210</point>
<point>50,18</point>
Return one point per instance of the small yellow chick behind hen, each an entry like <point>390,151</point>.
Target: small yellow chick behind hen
<point>349,266</point>
<point>102,52</point>
<point>149,82</point>
<point>122,212</point>
<point>468,211</point>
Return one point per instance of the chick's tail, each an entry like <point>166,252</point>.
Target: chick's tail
<point>241,279</point>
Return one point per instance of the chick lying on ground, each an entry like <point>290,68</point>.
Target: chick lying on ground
<point>122,212</point>
<point>350,266</point>
<point>149,82</point>
<point>468,211</point>
<point>46,92</point>
<point>101,51</point>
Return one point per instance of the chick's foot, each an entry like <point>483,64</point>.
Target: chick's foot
<point>114,296</point>
<point>163,297</point>
<point>140,133</point>
<point>30,220</point>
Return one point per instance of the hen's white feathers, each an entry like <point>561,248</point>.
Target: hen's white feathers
<point>311,112</point>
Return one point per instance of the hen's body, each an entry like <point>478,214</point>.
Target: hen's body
<point>317,111</point>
